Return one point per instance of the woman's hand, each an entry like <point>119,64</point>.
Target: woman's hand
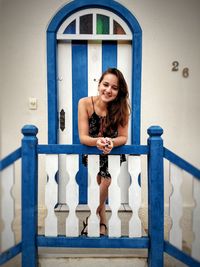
<point>101,142</point>
<point>105,144</point>
<point>109,145</point>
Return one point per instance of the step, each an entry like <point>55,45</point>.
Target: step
<point>92,257</point>
<point>62,257</point>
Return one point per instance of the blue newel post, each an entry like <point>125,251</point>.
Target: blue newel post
<point>155,197</point>
<point>29,196</point>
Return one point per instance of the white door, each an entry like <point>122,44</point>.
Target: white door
<point>84,52</point>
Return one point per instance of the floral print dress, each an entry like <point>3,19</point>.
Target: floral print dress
<point>97,129</point>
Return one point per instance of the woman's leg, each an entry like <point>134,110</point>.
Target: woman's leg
<point>101,210</point>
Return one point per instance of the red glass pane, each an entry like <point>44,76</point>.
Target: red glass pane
<point>117,28</point>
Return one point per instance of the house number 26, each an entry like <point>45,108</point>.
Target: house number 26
<point>175,67</point>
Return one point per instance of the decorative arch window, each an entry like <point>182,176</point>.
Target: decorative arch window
<point>94,24</point>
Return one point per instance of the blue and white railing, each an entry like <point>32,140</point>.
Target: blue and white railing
<point>154,241</point>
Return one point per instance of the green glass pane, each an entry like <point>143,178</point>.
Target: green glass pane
<point>117,28</point>
<point>102,24</point>
<point>86,24</point>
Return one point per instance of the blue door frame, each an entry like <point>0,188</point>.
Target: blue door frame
<point>53,27</point>
<point>53,112</point>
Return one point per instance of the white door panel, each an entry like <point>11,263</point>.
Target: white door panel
<point>124,63</point>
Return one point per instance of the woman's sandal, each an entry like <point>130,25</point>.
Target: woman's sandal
<point>103,224</point>
<point>85,224</point>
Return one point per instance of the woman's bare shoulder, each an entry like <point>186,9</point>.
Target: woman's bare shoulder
<point>85,103</point>
<point>85,100</point>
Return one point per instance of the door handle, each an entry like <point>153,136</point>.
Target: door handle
<point>62,120</point>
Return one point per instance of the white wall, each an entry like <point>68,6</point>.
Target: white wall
<point>170,32</point>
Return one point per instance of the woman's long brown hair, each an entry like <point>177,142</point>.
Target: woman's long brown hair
<point>118,109</point>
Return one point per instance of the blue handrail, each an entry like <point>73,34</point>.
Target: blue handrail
<point>82,149</point>
<point>154,242</point>
<point>181,163</point>
<point>180,255</point>
<point>10,159</point>
<point>10,253</point>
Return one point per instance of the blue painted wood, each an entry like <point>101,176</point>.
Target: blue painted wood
<point>29,196</point>
<point>180,255</point>
<point>71,28</point>
<point>136,87</point>
<point>79,90</point>
<point>181,163</point>
<point>92,242</point>
<point>10,253</point>
<point>10,159</point>
<point>155,197</point>
<point>52,88</point>
<point>53,27</point>
<point>109,55</point>
<point>77,5</point>
<point>79,80</point>
<point>154,242</point>
<point>82,149</point>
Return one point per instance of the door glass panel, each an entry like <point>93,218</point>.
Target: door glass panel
<point>117,29</point>
<point>86,24</point>
<point>102,24</point>
<point>71,28</point>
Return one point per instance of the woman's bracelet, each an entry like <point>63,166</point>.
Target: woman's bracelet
<point>113,141</point>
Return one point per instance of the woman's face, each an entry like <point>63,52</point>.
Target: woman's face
<point>108,88</point>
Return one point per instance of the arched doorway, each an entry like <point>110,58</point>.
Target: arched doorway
<point>83,39</point>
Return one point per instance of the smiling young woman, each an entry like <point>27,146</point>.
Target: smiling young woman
<point>103,122</point>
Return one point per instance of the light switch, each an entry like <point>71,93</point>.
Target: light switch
<point>32,103</point>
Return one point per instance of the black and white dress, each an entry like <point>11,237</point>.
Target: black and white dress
<point>97,129</point>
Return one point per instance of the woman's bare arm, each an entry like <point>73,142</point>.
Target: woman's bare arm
<point>105,144</point>
<point>83,126</point>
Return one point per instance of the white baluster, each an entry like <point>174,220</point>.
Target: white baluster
<point>7,208</point>
<point>196,221</point>
<point>134,167</point>
<point>51,195</point>
<point>176,212</point>
<point>62,181</point>
<point>72,195</point>
<point>114,196</point>
<point>93,195</point>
